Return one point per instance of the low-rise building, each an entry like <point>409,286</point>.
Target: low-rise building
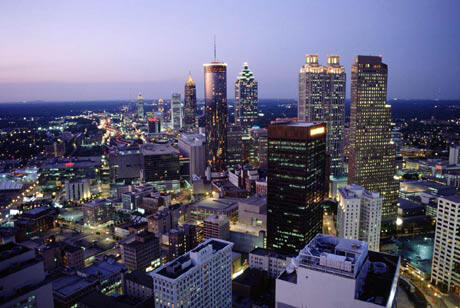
<point>216,226</point>
<point>269,261</point>
<point>141,252</point>
<point>97,212</point>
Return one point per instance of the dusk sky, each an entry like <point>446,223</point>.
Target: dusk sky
<point>113,49</point>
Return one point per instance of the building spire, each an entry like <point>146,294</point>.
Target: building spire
<point>215,53</point>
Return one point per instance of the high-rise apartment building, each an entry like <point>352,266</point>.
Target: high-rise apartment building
<point>215,96</point>
<point>189,103</point>
<point>176,111</point>
<point>234,145</point>
<point>141,252</point>
<point>140,106</point>
<point>199,278</point>
<point>372,154</point>
<point>246,100</point>
<point>359,215</point>
<point>322,98</point>
<point>445,272</point>
<point>333,272</point>
<point>297,184</point>
<point>193,146</point>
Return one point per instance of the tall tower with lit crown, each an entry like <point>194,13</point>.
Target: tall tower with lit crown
<point>189,103</point>
<point>322,98</point>
<point>246,99</point>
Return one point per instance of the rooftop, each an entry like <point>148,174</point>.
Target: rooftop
<point>267,252</point>
<point>158,149</point>
<point>193,258</point>
<point>354,191</point>
<point>140,277</point>
<point>11,250</point>
<point>216,204</point>
<point>452,198</point>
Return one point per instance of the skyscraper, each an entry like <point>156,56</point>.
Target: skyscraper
<point>215,96</point>
<point>189,103</point>
<point>445,272</point>
<point>322,98</point>
<point>372,155</point>
<point>297,184</point>
<point>161,105</point>
<point>246,111</point>
<point>176,111</point>
<point>234,145</point>
<point>140,106</point>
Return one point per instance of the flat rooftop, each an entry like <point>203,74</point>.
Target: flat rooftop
<point>186,262</point>
<point>452,198</point>
<point>10,250</point>
<point>158,149</point>
<point>216,204</point>
<point>267,252</point>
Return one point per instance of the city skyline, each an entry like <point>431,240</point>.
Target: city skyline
<point>119,60</point>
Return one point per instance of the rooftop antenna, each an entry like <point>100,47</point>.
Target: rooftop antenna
<point>215,57</point>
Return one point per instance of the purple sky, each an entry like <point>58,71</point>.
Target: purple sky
<point>112,49</point>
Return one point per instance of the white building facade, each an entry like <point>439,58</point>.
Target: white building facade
<point>77,190</point>
<point>333,272</point>
<point>445,272</point>
<point>199,278</point>
<point>359,215</point>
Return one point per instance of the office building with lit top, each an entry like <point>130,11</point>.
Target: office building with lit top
<point>189,103</point>
<point>199,278</point>
<point>297,184</point>
<point>322,98</point>
<point>445,272</point>
<point>246,100</point>
<point>372,154</point>
<point>215,97</point>
<point>359,215</point>
<point>140,106</point>
<point>333,272</point>
<point>154,125</point>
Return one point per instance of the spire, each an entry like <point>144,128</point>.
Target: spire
<point>190,81</point>
<point>215,53</point>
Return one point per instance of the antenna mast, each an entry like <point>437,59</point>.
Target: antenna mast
<point>215,57</point>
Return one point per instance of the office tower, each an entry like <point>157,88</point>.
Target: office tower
<point>189,103</point>
<point>154,125</point>
<point>23,277</point>
<point>193,146</point>
<point>199,278</point>
<point>160,162</point>
<point>297,184</point>
<point>359,215</point>
<point>445,272</point>
<point>77,190</point>
<point>454,155</point>
<point>140,106</point>
<point>234,145</point>
<point>322,98</point>
<point>97,212</point>
<point>255,148</point>
<point>246,100</point>
<point>215,97</point>
<point>372,155</point>
<point>161,105</point>
<point>139,254</point>
<point>176,111</point>
<point>216,226</point>
<point>333,272</point>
